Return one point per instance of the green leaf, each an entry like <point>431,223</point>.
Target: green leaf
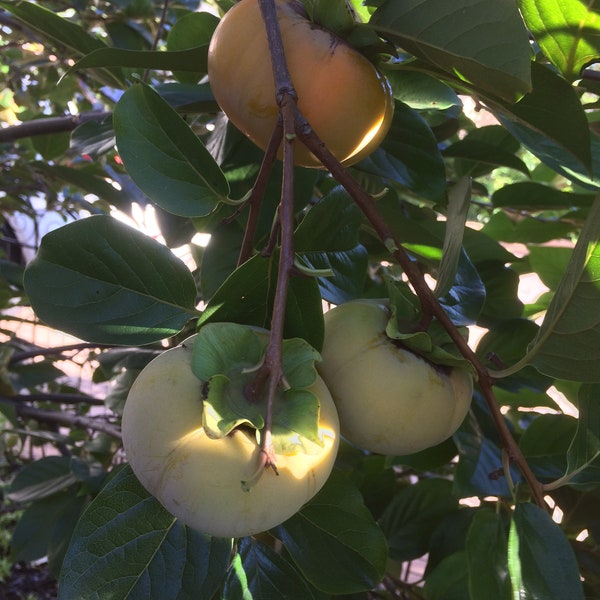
<point>106,282</point>
<point>411,517</point>
<point>483,150</point>
<point>90,180</point>
<point>331,225</point>
<point>410,156</point>
<point>563,123</point>
<point>257,571</point>
<point>45,527</point>
<point>247,296</point>
<point>448,580</point>
<point>189,60</point>
<point>585,446</point>
<point>421,91</point>
<point>529,195</point>
<point>62,33</point>
<point>164,156</point>
<point>227,356</point>
<point>546,562</point>
<point>567,345</point>
<point>459,201</point>
<point>125,543</point>
<point>41,478</point>
<point>482,42</point>
<point>567,32</point>
<point>487,557</point>
<point>335,524</point>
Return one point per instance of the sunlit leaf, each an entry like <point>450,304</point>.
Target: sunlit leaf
<point>164,156</point>
<point>489,49</point>
<point>546,564</point>
<point>106,282</point>
<point>567,345</point>
<point>567,32</point>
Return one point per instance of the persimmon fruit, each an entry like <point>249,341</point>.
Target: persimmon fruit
<point>199,479</point>
<point>389,400</point>
<point>344,97</point>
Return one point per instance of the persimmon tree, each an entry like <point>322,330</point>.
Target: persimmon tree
<point>107,106</point>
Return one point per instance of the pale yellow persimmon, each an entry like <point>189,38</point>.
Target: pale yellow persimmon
<point>200,480</point>
<point>346,100</point>
<point>389,400</point>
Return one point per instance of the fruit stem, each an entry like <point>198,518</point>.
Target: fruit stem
<point>429,302</point>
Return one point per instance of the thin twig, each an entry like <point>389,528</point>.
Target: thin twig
<point>50,125</point>
<point>64,418</point>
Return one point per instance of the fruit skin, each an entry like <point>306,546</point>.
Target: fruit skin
<point>389,400</point>
<point>345,99</point>
<point>198,479</point>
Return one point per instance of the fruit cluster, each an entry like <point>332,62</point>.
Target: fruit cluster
<point>388,400</point>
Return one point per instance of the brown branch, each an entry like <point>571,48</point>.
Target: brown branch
<point>54,398</point>
<point>57,350</point>
<point>49,125</point>
<point>64,418</point>
<point>428,300</point>
<point>271,371</point>
<point>257,192</point>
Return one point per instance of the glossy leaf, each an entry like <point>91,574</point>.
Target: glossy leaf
<point>530,195</point>
<point>547,566</point>
<point>336,523</point>
<point>63,33</point>
<point>490,49</point>
<point>410,156</point>
<point>257,571</point>
<point>41,478</point>
<point>106,282</point>
<point>487,557</point>
<point>567,345</point>
<point>125,542</point>
<point>247,295</point>
<point>411,517</point>
<point>564,125</point>
<point>164,156</point>
<point>567,32</point>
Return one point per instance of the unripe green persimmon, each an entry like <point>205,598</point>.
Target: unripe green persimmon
<point>389,400</point>
<point>199,479</point>
<point>345,99</point>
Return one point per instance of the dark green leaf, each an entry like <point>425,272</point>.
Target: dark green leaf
<point>487,557</point>
<point>448,581</point>
<point>62,33</point>
<point>191,30</point>
<point>336,523</point>
<point>41,478</point>
<point>164,156</point>
<point>567,345</point>
<point>45,526</point>
<point>563,123</point>
<point>585,446</point>
<point>104,281</point>
<point>482,42</point>
<point>410,519</point>
<point>257,571</point>
<point>247,295</point>
<point>548,568</point>
<point>529,195</point>
<point>125,543</point>
<point>410,156</point>
<point>421,91</point>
